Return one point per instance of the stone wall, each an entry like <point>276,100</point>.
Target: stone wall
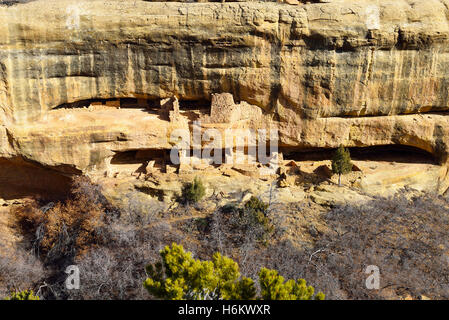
<point>358,73</point>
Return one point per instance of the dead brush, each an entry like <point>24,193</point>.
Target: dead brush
<point>64,228</point>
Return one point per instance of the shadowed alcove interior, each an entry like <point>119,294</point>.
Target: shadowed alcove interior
<point>20,178</point>
<point>390,153</point>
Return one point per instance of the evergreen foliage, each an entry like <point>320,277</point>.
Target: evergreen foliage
<point>273,287</point>
<point>193,192</point>
<point>23,295</point>
<point>179,276</point>
<point>254,214</point>
<point>341,162</point>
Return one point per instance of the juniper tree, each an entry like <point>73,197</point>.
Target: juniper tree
<point>193,192</point>
<point>341,162</point>
<point>273,287</point>
<point>180,276</point>
<point>22,295</point>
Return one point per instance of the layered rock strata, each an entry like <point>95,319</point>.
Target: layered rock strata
<point>359,73</point>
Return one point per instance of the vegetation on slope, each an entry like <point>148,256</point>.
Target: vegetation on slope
<point>179,276</point>
<point>405,236</point>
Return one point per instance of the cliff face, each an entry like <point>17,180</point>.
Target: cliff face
<point>359,73</point>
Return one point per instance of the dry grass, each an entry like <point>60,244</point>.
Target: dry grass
<point>405,236</point>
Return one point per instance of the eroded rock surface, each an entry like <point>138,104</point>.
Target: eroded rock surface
<point>358,73</point>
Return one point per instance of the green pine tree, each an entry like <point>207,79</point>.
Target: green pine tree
<point>341,162</point>
<point>273,287</point>
<point>180,276</point>
<point>23,295</point>
<point>194,191</point>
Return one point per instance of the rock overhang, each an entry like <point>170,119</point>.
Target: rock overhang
<point>359,74</point>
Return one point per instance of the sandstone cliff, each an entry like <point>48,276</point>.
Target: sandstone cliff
<point>358,73</point>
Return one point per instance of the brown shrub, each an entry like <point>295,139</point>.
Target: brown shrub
<point>64,228</point>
